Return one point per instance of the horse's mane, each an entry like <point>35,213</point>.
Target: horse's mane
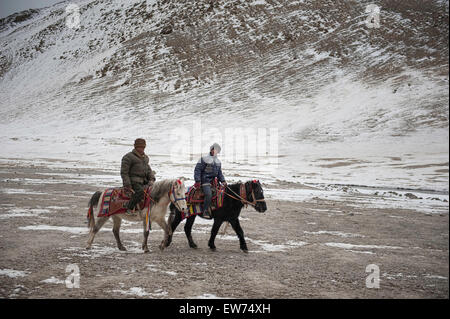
<point>161,188</point>
<point>235,186</point>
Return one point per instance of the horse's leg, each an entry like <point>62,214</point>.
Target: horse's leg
<point>214,231</point>
<point>174,221</point>
<point>240,233</point>
<point>116,229</point>
<point>146,232</point>
<point>99,223</point>
<point>167,232</point>
<point>188,230</point>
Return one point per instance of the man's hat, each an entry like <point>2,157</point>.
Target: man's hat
<point>139,142</point>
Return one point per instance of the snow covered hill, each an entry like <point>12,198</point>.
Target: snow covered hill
<point>347,103</point>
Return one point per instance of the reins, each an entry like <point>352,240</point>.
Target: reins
<point>175,199</point>
<point>244,201</point>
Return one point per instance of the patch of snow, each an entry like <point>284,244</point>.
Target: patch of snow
<point>361,252</point>
<point>334,233</point>
<point>20,191</point>
<point>435,277</point>
<point>53,280</point>
<point>78,230</point>
<point>350,246</point>
<point>269,247</point>
<point>23,212</point>
<point>11,273</point>
<point>207,296</point>
<point>72,230</point>
<point>154,269</point>
<point>140,292</point>
<point>134,291</point>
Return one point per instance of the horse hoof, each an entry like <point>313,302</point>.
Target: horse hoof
<point>213,248</point>
<point>122,248</point>
<point>146,251</point>
<point>88,248</point>
<point>245,250</point>
<point>193,245</point>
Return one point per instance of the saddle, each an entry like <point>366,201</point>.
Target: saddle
<point>115,201</point>
<point>195,199</point>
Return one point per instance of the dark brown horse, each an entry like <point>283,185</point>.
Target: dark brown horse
<point>229,212</point>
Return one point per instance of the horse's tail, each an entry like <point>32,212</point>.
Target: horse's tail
<point>92,203</point>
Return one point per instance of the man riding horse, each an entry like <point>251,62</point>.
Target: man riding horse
<point>136,172</point>
<point>207,169</point>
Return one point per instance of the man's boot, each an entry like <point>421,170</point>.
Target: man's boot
<point>130,212</point>
<point>207,213</point>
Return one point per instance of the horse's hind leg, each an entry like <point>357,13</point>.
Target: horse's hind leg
<point>116,229</point>
<point>214,231</point>
<point>99,223</point>
<point>240,233</point>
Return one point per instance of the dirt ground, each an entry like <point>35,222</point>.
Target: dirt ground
<point>297,249</point>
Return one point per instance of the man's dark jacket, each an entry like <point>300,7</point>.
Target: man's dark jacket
<point>135,169</point>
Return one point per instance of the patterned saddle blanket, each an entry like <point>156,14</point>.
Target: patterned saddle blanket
<point>196,197</point>
<point>115,200</point>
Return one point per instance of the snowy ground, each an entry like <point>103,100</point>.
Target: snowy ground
<point>316,244</point>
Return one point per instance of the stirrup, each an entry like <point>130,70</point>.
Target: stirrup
<point>207,214</point>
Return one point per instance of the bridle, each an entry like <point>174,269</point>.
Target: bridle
<point>174,196</point>
<point>244,194</point>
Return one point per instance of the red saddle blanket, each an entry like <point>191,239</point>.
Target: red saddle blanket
<point>196,197</point>
<point>115,200</point>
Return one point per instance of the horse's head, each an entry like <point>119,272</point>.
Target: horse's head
<point>177,195</point>
<point>255,194</point>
